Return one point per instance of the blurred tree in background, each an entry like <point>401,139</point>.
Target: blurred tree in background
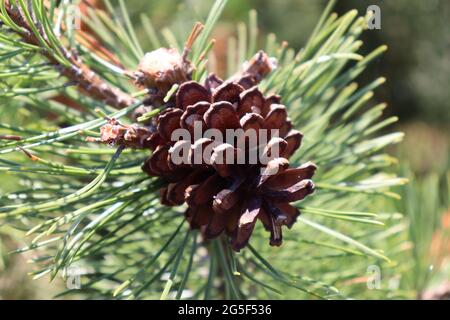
<point>417,64</point>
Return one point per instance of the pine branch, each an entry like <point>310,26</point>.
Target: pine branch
<point>30,24</point>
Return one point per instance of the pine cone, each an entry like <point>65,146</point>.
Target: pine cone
<point>254,70</point>
<point>159,70</point>
<point>131,136</point>
<point>229,197</point>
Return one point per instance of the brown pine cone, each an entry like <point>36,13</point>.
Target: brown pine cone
<point>229,197</point>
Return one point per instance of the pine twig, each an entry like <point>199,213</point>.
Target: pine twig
<point>79,73</point>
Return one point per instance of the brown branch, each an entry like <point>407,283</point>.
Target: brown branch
<point>10,137</point>
<point>86,79</point>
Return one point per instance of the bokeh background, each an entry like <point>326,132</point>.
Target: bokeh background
<point>417,68</point>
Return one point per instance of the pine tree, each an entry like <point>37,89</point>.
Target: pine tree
<point>88,205</point>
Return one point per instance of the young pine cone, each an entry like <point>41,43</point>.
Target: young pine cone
<point>229,196</point>
<point>160,69</point>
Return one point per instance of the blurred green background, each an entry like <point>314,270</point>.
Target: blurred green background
<point>417,68</point>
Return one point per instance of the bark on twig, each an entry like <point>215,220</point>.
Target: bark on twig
<point>86,79</point>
